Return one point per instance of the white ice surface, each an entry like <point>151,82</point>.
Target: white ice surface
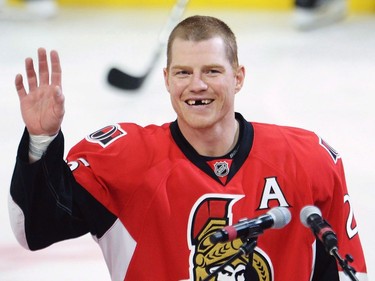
<point>322,80</point>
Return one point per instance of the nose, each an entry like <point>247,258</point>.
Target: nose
<point>197,84</point>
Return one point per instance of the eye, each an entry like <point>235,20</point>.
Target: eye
<point>226,273</point>
<point>213,72</point>
<point>181,73</point>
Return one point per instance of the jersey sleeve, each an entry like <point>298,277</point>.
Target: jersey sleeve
<point>331,196</point>
<point>110,162</point>
<point>47,205</point>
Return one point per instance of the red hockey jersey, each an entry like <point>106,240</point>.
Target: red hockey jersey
<point>169,200</point>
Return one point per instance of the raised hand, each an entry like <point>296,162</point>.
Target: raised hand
<point>42,108</point>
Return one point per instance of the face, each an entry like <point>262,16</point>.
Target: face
<point>231,273</point>
<point>202,83</point>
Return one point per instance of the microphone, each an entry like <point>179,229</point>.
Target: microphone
<point>277,217</point>
<point>311,217</point>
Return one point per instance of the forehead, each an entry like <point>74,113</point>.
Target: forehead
<point>190,51</point>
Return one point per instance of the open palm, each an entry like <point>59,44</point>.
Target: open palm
<point>42,108</point>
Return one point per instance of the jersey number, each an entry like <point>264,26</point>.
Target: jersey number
<point>350,229</point>
<point>75,164</point>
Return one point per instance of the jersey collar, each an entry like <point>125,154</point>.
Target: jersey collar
<point>243,147</point>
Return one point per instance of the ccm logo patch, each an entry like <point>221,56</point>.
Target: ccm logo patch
<point>106,135</point>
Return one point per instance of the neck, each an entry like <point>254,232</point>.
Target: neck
<point>215,141</point>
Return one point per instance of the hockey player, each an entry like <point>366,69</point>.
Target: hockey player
<point>152,196</point>
<point>312,14</point>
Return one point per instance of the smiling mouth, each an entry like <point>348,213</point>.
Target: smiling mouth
<point>199,102</point>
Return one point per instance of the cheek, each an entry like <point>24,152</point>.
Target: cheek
<point>174,95</point>
<point>226,89</point>
<point>176,104</point>
<point>176,88</point>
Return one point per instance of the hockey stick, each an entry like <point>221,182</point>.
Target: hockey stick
<point>125,81</point>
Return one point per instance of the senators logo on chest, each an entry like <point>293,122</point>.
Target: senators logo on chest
<point>209,214</point>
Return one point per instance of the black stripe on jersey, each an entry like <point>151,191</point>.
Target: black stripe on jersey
<point>244,144</point>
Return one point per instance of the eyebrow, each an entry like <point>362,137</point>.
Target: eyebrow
<point>204,66</point>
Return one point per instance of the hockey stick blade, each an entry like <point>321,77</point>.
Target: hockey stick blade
<point>124,81</point>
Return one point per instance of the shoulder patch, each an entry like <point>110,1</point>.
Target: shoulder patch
<point>106,135</point>
<point>332,152</point>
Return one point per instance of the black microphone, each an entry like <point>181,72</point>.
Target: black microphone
<point>311,217</point>
<point>277,217</point>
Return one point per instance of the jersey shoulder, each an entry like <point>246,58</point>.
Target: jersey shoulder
<point>303,144</point>
<point>123,135</point>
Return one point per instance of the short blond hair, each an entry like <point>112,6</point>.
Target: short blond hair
<point>200,28</point>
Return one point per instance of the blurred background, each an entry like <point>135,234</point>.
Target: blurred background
<point>302,70</point>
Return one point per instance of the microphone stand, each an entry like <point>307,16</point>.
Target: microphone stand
<point>329,240</point>
<point>344,263</point>
<point>247,248</point>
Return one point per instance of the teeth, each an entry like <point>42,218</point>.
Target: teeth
<point>198,102</point>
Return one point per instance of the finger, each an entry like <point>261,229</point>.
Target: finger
<point>18,81</point>
<point>56,69</point>
<point>30,73</point>
<point>59,99</point>
<point>43,67</point>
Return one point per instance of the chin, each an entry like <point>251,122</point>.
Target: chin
<point>200,122</point>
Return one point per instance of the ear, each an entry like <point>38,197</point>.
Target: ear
<point>240,78</point>
<point>166,81</point>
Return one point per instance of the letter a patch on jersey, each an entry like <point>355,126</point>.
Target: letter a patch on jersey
<point>106,135</point>
<point>272,192</point>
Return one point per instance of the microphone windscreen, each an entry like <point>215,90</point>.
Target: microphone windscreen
<point>306,212</point>
<point>281,216</point>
